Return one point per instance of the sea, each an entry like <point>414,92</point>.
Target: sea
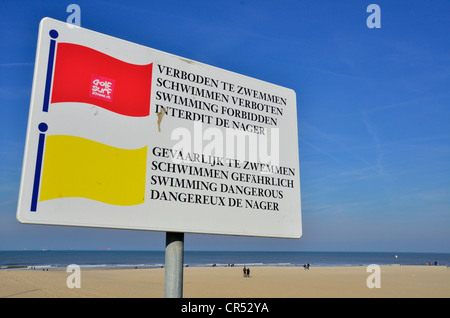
<point>59,259</point>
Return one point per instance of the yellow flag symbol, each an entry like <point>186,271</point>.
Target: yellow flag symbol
<point>79,167</point>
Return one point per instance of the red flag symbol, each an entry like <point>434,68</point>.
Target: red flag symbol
<point>85,75</point>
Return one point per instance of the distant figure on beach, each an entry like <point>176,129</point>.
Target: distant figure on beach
<point>245,271</point>
<point>306,266</point>
<point>248,272</point>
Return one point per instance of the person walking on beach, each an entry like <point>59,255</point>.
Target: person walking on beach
<point>248,272</point>
<point>245,271</point>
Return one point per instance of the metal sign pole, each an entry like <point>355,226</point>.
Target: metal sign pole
<point>173,282</point>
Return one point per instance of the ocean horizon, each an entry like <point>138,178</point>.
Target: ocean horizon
<point>57,259</point>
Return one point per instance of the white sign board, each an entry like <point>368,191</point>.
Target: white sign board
<point>125,136</point>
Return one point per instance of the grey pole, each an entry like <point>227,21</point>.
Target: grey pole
<point>173,281</point>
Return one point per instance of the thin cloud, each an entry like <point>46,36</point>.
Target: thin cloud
<point>16,64</point>
<point>377,143</point>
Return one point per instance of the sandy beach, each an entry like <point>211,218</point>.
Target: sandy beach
<point>228,282</point>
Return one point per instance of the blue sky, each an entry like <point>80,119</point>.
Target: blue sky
<point>373,112</point>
